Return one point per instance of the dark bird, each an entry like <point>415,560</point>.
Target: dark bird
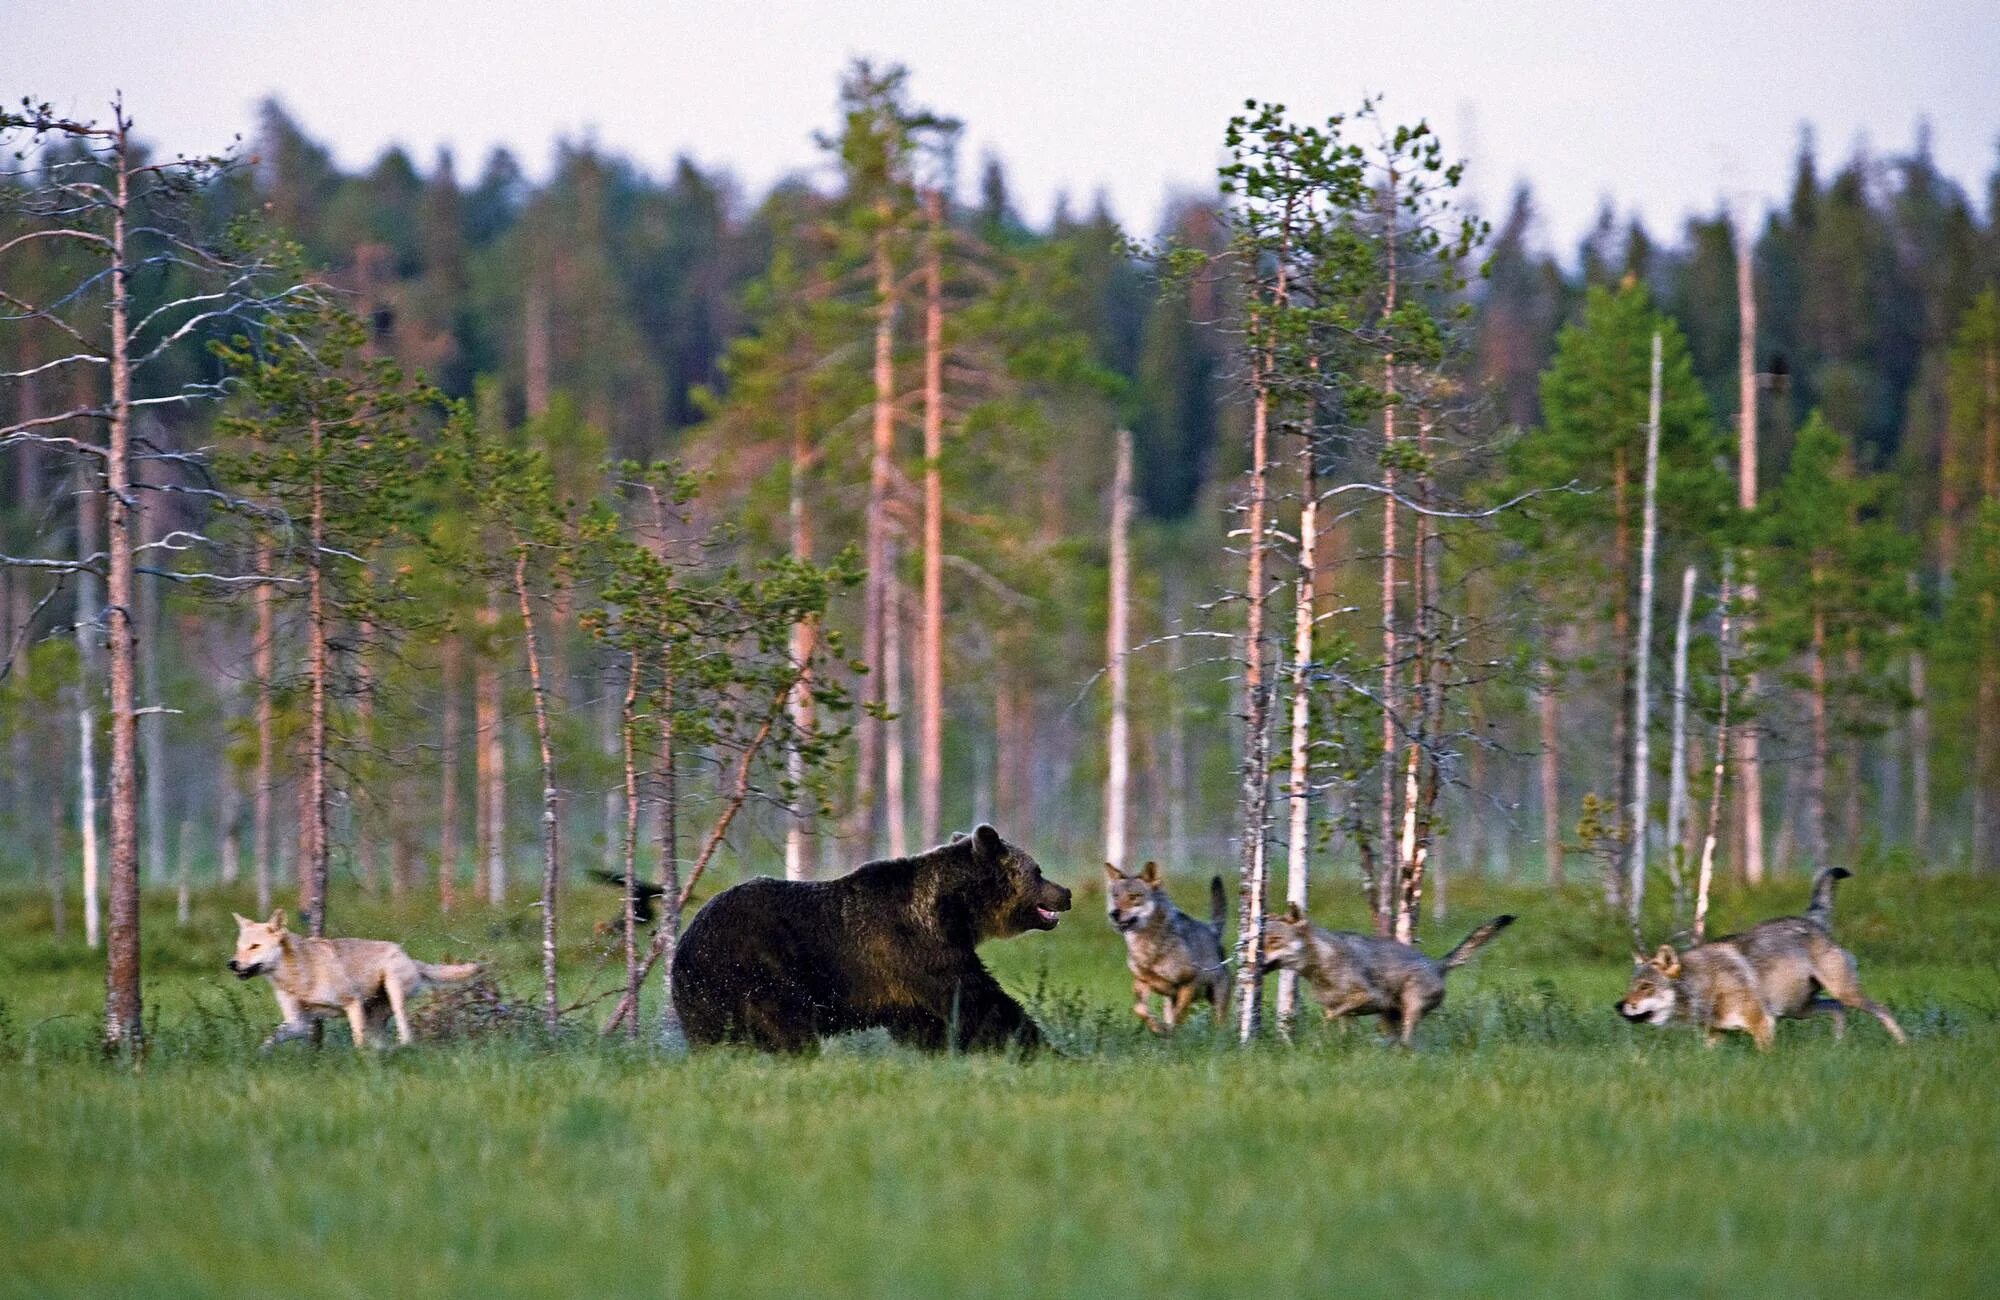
<point>645,899</point>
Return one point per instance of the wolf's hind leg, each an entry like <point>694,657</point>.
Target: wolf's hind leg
<point>357,1021</point>
<point>397,994</point>
<point>1832,1010</point>
<point>1835,971</point>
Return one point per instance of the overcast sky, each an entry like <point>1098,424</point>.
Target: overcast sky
<point>1665,108</point>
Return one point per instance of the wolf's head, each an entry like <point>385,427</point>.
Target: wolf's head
<point>258,945</point>
<point>1132,901</point>
<point>1655,992</point>
<point>1286,939</point>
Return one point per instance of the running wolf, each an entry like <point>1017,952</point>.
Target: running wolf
<point>1364,975</point>
<point>1750,981</point>
<point>315,978</point>
<point>1169,952</point>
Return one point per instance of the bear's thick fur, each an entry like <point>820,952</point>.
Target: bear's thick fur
<point>779,964</point>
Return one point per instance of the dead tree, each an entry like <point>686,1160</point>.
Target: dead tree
<point>128,222</point>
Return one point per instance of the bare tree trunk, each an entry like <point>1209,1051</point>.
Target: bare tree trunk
<point>930,690</point>
<point>152,725</point>
<point>1422,774</point>
<point>1117,637</point>
<point>89,641</point>
<point>365,857</point>
<point>894,789</point>
<point>262,826</point>
<point>488,722</point>
<point>1256,707</point>
<point>805,638</point>
<point>551,848</point>
<point>671,898</point>
<point>1549,706</point>
<point>124,1024</point>
<point>1716,778</point>
<point>231,814</point>
<point>874,603</point>
<point>628,725</point>
<point>183,900</point>
<point>313,870</point>
<point>1677,775</point>
<point>1640,815</point>
<point>452,671</point>
<point>1299,793</point>
<point>1749,763</point>
<point>1388,866</point>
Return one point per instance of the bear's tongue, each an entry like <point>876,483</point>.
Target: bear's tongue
<point>1047,915</point>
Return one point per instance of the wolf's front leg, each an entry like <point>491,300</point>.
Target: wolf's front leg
<point>292,1021</point>
<point>357,1021</point>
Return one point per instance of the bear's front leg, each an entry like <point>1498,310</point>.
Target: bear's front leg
<point>988,1018</point>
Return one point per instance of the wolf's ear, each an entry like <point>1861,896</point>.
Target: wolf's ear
<point>1113,874</point>
<point>1150,873</point>
<point>1668,961</point>
<point>277,921</point>
<point>1294,914</point>
<point>242,922</point>
<point>987,839</point>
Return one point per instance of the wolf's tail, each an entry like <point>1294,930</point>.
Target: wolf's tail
<point>1475,941</point>
<point>1820,911</point>
<point>448,972</point>
<point>1218,905</point>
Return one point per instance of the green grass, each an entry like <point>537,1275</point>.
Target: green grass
<point>1533,1144</point>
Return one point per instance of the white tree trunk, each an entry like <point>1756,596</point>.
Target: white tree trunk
<point>1117,771</point>
<point>89,638</point>
<point>1677,777</point>
<point>1707,873</point>
<point>1642,654</point>
<point>1299,793</point>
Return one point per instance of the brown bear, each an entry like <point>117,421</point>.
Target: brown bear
<point>779,964</point>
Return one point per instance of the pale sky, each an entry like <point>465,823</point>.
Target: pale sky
<point>1667,108</point>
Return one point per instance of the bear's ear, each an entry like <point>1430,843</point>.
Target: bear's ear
<point>988,840</point>
<point>956,836</point>
<point>1113,874</point>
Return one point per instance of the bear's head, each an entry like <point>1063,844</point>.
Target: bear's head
<point>1002,888</point>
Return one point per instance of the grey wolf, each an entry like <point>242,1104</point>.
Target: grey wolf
<point>315,978</point>
<point>1748,982</point>
<point>1362,974</point>
<point>1168,952</point>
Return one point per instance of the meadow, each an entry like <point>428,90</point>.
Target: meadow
<point>1531,1144</point>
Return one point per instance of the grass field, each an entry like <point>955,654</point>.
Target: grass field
<point>1532,1144</point>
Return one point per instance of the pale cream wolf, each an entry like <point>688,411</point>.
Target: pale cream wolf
<point>315,978</point>
<point>1364,975</point>
<point>1169,952</point>
<point>1750,981</point>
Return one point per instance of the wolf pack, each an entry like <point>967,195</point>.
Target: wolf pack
<point>780,965</point>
